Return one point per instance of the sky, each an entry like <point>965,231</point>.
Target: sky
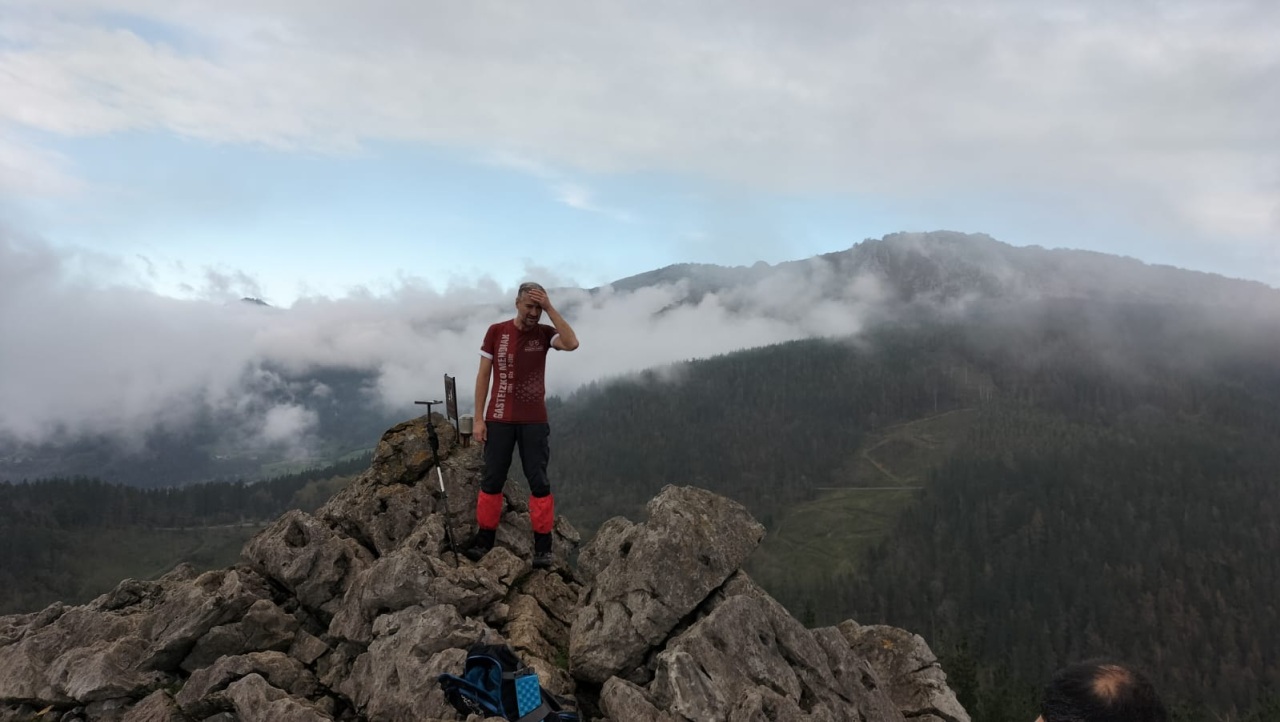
<point>403,159</point>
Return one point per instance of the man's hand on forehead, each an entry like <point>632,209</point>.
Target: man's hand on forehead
<point>540,298</point>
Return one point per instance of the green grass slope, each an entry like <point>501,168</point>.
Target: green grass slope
<point>814,542</point>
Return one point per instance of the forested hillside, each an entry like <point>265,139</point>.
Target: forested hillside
<point>71,539</point>
<point>1107,483</point>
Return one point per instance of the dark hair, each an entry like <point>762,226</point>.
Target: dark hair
<point>1101,691</point>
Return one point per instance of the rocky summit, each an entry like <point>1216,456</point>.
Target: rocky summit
<point>351,613</point>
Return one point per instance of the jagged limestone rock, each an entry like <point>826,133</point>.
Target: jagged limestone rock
<point>204,692</point>
<point>538,616</point>
<point>624,701</point>
<point>108,709</point>
<point>264,627</point>
<point>188,610</point>
<point>530,629</point>
<point>403,455</point>
<point>691,543</point>
<point>380,516</point>
<point>352,613</point>
<point>749,651</point>
<point>159,706</point>
<point>909,670</point>
<point>255,700</point>
<point>306,557</point>
<point>125,643</point>
<point>407,577</point>
<point>607,545</point>
<point>395,678</point>
<point>536,625</point>
<point>307,648</point>
<point>106,669</point>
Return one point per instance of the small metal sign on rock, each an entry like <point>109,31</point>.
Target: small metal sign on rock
<point>451,397</point>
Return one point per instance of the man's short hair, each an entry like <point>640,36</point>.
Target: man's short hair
<point>528,286</point>
<point>1101,691</point>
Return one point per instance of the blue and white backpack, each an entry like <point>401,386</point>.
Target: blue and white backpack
<point>495,683</point>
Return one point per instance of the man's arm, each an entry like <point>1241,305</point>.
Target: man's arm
<point>478,429</point>
<point>566,339</point>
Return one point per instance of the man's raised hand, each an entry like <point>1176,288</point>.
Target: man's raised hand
<point>540,297</point>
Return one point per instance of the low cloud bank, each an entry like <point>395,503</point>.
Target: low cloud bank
<point>83,357</point>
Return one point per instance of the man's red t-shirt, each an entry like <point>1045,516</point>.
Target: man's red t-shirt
<point>519,393</point>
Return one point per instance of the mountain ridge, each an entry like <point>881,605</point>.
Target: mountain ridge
<point>897,277</point>
<point>1038,265</point>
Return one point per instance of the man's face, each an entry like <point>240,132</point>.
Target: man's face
<point>528,313</point>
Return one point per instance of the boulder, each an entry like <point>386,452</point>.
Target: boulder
<point>656,573</point>
<point>159,706</point>
<point>203,694</point>
<point>908,669</point>
<point>407,577</point>
<point>748,658</point>
<point>624,701</point>
<point>395,678</point>
<point>309,559</point>
<point>264,627</point>
<point>255,700</point>
<point>125,643</point>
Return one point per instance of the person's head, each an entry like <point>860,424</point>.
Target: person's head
<point>528,311</point>
<point>1101,691</point>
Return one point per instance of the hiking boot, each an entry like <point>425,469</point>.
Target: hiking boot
<point>542,556</point>
<point>480,544</point>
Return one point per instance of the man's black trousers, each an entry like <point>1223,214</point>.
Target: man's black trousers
<point>534,441</point>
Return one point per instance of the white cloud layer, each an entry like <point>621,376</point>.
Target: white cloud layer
<point>81,357</point>
<point>1165,109</point>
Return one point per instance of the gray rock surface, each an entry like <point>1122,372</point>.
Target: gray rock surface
<point>315,563</point>
<point>657,573</point>
<point>395,678</point>
<point>749,651</point>
<point>264,627</point>
<point>351,613</point>
<point>257,701</point>
<point>909,670</point>
<point>626,702</point>
<point>158,706</point>
<point>125,643</point>
<point>202,693</point>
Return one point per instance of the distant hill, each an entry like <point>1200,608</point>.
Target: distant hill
<point>946,266</point>
<point>1097,478</point>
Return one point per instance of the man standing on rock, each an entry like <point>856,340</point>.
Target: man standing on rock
<point>513,358</point>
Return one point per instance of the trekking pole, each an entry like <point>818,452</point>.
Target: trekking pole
<point>434,440</point>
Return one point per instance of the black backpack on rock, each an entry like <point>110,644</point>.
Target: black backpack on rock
<point>495,683</point>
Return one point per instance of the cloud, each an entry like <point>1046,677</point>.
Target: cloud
<point>1134,104</point>
<point>26,170</point>
<point>571,193</point>
<point>224,285</point>
<point>286,422</point>
<point>84,357</point>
